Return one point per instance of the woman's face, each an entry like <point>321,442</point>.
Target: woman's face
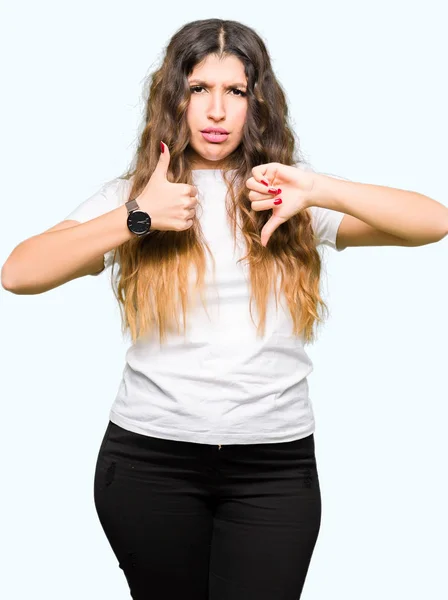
<point>218,100</point>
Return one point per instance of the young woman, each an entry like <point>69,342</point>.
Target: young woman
<point>206,482</point>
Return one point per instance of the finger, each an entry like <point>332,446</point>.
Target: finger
<point>273,223</point>
<point>255,196</point>
<point>266,204</point>
<point>266,174</point>
<point>193,191</point>
<point>258,186</point>
<point>161,169</point>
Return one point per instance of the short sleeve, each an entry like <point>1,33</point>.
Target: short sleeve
<point>324,220</point>
<point>110,196</point>
<point>326,224</point>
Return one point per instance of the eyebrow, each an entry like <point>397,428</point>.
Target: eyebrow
<point>205,84</point>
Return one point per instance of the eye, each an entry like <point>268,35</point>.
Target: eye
<point>196,88</point>
<point>241,93</point>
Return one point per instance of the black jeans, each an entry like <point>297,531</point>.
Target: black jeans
<point>191,521</point>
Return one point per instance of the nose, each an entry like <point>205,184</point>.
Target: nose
<point>216,108</point>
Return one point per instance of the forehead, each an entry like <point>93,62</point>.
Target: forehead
<point>213,68</point>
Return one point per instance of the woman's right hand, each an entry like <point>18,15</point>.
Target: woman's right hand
<point>171,206</point>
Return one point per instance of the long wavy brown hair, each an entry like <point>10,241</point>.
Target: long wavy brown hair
<point>152,287</point>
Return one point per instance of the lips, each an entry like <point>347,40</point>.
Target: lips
<point>215,135</point>
<point>214,130</point>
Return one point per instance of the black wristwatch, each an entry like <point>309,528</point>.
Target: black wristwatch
<point>139,222</point>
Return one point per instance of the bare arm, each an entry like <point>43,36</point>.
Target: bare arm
<point>64,252</point>
<point>71,249</point>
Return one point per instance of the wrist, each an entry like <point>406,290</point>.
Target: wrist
<point>314,197</point>
<point>138,220</point>
<point>323,192</point>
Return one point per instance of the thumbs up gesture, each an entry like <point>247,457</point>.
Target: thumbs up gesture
<point>171,206</point>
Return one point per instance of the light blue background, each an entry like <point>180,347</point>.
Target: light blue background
<point>366,83</point>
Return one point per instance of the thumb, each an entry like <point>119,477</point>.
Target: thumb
<point>269,229</point>
<point>164,161</point>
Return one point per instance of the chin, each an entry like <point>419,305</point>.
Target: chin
<point>219,154</point>
<point>210,155</point>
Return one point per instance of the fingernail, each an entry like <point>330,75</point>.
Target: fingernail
<point>265,182</point>
<point>279,201</point>
<point>162,147</point>
<point>273,190</point>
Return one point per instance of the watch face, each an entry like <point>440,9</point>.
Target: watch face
<point>139,222</point>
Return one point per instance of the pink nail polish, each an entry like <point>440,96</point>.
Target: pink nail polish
<point>278,201</point>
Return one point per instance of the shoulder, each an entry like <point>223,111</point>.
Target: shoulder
<point>118,189</point>
<point>110,195</point>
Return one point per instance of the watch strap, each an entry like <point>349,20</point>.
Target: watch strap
<point>132,205</point>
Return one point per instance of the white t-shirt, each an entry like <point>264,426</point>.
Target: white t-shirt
<point>219,384</point>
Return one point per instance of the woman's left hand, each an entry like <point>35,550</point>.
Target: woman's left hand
<point>291,185</point>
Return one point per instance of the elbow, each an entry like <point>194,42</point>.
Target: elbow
<point>10,284</point>
<point>440,236</point>
<point>7,281</point>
